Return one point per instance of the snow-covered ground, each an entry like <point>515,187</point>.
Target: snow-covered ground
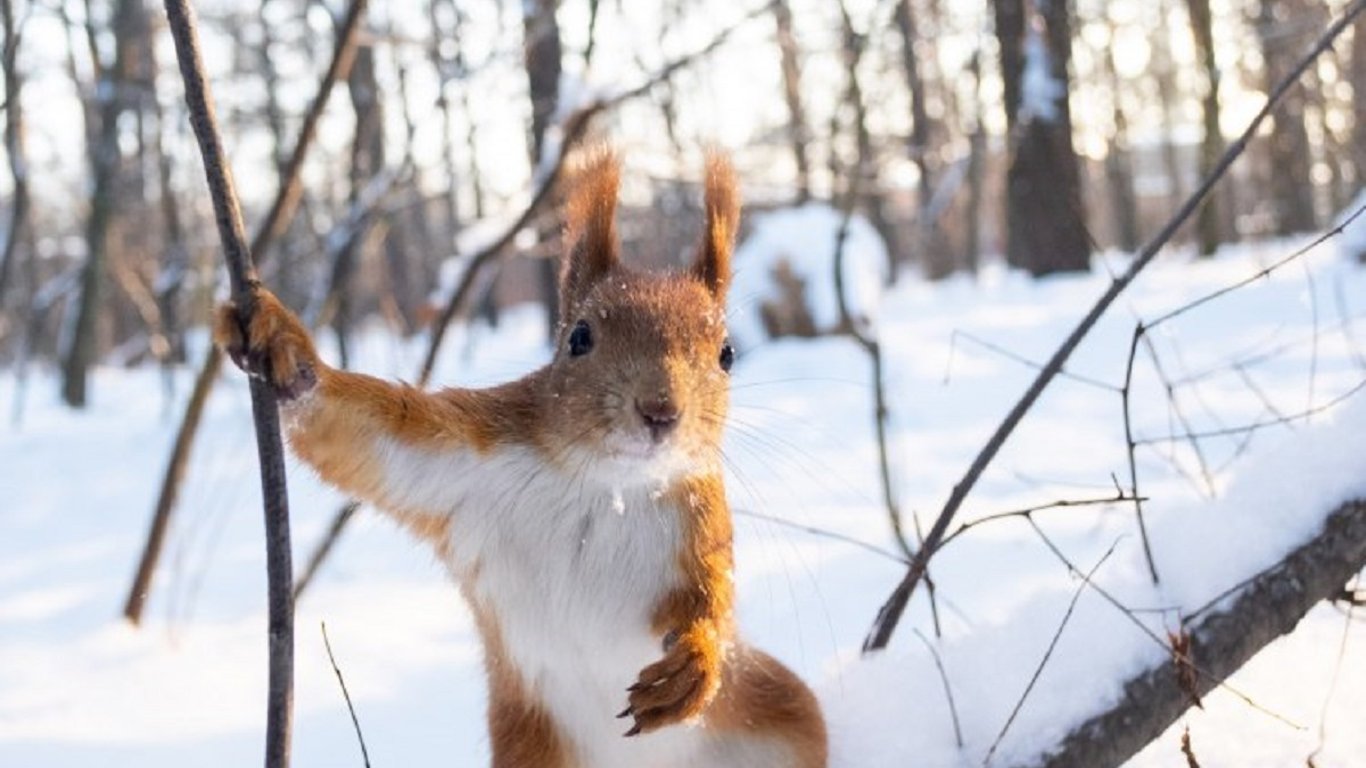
<point>78,687</point>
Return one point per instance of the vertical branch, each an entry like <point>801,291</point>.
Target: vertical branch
<point>265,414</point>
<point>277,219</point>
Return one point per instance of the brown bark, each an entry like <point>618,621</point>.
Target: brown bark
<point>1292,190</point>
<point>1045,230</point>
<point>265,414</point>
<point>1357,66</point>
<point>112,93</point>
<point>798,132</point>
<point>1265,609</point>
<point>1212,144</point>
<point>1119,173</point>
<point>541,55</point>
<point>16,148</point>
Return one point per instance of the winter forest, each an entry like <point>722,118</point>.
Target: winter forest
<point>1045,442</point>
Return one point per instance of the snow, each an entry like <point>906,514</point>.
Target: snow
<point>78,687</point>
<point>804,239</point>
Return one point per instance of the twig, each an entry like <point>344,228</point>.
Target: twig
<point>1260,424</point>
<point>1022,360</point>
<point>281,212</point>
<point>1048,654</point>
<point>1119,497</point>
<point>948,689</point>
<point>242,275</point>
<point>824,533</point>
<point>890,613</point>
<point>355,722</point>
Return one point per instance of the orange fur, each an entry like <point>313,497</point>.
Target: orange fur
<point>657,338</point>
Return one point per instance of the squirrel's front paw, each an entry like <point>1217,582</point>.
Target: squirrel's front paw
<point>275,346</point>
<point>677,687</point>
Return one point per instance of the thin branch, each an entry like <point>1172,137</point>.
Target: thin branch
<point>282,210</point>
<point>1048,654</point>
<point>948,689</point>
<point>890,613</point>
<point>242,275</point>
<point>1257,425</point>
<point>355,722</point>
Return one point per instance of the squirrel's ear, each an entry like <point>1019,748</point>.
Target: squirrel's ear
<point>590,222</point>
<point>722,202</point>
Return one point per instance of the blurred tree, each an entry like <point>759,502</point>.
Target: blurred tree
<point>541,51</point>
<point>16,148</point>
<point>1292,188</point>
<point>114,92</point>
<point>1045,232</point>
<point>798,132</point>
<point>930,244</point>
<point>1212,143</point>
<point>1357,76</point>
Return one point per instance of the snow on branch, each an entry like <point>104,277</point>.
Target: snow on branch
<point>1268,606</point>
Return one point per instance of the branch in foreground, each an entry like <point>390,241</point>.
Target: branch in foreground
<point>890,613</point>
<point>1268,607</point>
<point>281,212</point>
<point>265,413</point>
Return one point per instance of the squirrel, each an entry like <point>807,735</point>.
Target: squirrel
<point>580,509</point>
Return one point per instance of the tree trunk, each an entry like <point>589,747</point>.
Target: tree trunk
<point>1119,171</point>
<point>1292,190</point>
<point>932,249</point>
<point>542,53</point>
<point>1212,144</point>
<point>1267,608</point>
<point>367,161</point>
<point>16,148</point>
<point>1358,80</point>
<point>798,134</point>
<point>113,97</point>
<point>1045,230</point>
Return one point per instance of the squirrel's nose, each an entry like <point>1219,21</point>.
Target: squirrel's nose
<point>660,416</point>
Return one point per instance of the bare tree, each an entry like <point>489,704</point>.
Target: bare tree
<point>798,132</point>
<point>15,147</point>
<point>1357,66</point>
<point>1045,230</point>
<point>542,50</point>
<point>113,94</point>
<point>1212,144</point>
<point>930,243</point>
<point>1119,172</point>
<point>1292,189</point>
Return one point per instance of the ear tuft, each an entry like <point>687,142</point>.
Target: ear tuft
<point>590,221</point>
<point>722,203</point>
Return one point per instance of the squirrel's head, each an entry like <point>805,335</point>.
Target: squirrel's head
<point>639,381</point>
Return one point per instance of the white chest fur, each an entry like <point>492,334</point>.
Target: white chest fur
<point>571,570</point>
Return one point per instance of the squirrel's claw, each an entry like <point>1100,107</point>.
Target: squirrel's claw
<point>271,344</point>
<point>673,689</point>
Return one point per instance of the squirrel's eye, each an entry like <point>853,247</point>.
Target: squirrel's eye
<point>727,356</point>
<point>580,339</point>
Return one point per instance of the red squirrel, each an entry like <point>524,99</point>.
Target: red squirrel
<point>580,509</point>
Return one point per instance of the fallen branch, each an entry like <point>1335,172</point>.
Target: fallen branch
<point>265,413</point>
<point>1264,609</point>
<point>890,613</point>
